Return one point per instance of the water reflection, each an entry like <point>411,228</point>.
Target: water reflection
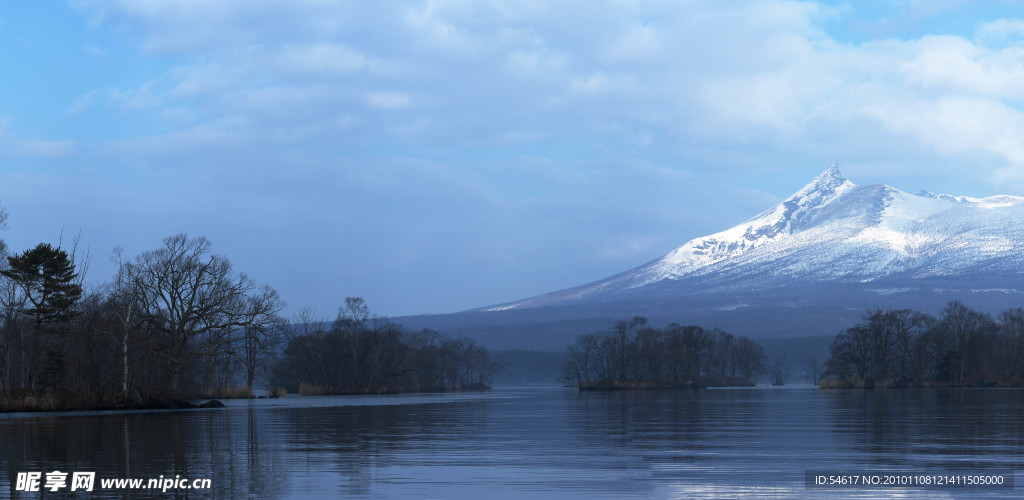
<point>940,429</point>
<point>521,442</point>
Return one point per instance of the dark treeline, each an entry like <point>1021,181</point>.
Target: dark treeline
<point>361,354</point>
<point>962,347</point>
<point>179,322</point>
<point>173,322</point>
<point>634,355</point>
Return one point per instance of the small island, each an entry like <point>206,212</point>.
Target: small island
<point>907,348</point>
<point>363,354</point>
<point>635,355</point>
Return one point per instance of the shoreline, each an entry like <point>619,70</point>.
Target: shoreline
<point>42,403</point>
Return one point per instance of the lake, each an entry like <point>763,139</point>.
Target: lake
<point>536,442</point>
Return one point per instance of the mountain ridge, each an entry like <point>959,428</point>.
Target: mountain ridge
<point>809,265</point>
<point>830,230</point>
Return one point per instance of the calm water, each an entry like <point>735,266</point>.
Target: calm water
<point>536,443</point>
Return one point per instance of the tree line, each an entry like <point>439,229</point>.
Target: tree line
<point>180,322</point>
<point>633,354</point>
<point>904,347</point>
<point>362,354</point>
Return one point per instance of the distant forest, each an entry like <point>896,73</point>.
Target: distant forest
<point>362,354</point>
<point>634,355</point>
<point>179,322</point>
<point>962,347</point>
<point>889,348</point>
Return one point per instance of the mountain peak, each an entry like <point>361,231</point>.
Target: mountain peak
<point>821,190</point>
<point>828,180</point>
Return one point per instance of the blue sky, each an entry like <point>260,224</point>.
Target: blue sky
<point>433,156</point>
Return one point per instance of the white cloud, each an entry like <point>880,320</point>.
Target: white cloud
<point>639,43</point>
<point>314,59</point>
<point>1000,32</point>
<point>175,26</point>
<point>646,74</point>
<point>37,148</point>
<point>388,100</point>
<point>200,80</point>
<point>82,102</point>
<point>957,125</point>
<point>1009,179</point>
<point>95,50</point>
<point>32,147</point>
<point>12,144</point>
<point>625,248</point>
<point>953,64</point>
<point>534,62</point>
<point>214,139</point>
<point>148,95</point>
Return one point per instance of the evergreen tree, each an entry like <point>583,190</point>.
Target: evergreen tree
<point>47,278</point>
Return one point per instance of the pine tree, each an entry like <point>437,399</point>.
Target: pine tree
<point>47,278</point>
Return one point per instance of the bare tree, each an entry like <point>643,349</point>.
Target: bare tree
<point>303,357</point>
<point>12,305</point>
<point>1012,330</point>
<point>193,299</point>
<point>778,372</point>
<point>122,296</point>
<point>962,331</point>
<point>910,330</point>
<point>581,355</point>
<point>3,225</point>
<point>814,370</point>
<point>749,359</point>
<point>261,333</point>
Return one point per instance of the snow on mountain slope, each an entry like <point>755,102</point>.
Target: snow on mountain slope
<point>831,230</point>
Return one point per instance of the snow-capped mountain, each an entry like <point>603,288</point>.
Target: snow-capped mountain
<point>833,233</point>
